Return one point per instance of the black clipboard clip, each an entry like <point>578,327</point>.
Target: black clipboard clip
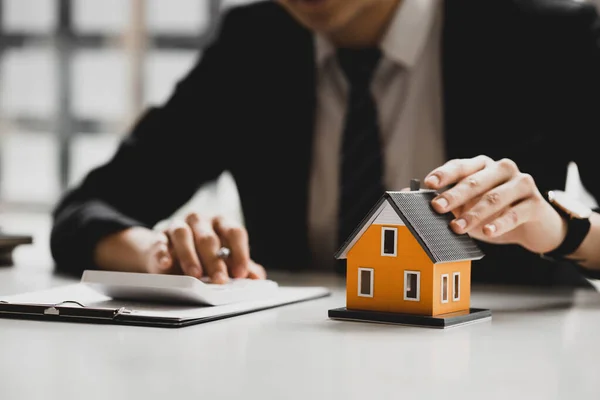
<point>62,310</point>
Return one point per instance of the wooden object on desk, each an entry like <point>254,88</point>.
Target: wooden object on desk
<point>8,243</point>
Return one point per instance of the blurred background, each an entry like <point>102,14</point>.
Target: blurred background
<point>74,76</point>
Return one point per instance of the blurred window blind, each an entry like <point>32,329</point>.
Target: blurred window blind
<point>74,76</point>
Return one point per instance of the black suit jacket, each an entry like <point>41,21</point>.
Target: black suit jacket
<point>521,80</point>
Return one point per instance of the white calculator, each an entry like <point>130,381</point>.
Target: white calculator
<point>178,289</point>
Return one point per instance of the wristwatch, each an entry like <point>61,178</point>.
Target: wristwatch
<point>577,216</point>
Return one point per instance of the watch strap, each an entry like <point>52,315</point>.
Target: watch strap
<point>577,230</point>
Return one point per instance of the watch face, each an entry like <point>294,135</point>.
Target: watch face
<point>569,204</point>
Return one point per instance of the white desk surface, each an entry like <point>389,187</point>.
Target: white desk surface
<point>538,345</point>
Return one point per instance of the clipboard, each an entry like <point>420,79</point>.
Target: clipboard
<point>88,306</point>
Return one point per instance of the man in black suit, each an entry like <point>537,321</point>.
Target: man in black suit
<point>317,106</point>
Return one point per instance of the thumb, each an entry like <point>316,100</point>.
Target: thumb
<point>164,260</point>
<point>160,260</point>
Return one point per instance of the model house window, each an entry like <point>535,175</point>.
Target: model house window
<point>456,286</point>
<point>388,241</point>
<point>412,282</point>
<point>445,288</point>
<point>365,282</point>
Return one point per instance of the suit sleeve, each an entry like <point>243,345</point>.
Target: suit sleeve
<point>587,122</point>
<point>169,153</point>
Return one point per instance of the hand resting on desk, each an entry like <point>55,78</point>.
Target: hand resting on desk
<point>187,247</point>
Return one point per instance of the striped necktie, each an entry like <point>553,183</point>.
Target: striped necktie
<point>361,160</point>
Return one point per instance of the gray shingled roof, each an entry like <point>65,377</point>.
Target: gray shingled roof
<point>430,228</point>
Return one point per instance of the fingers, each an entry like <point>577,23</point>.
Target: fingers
<point>135,249</point>
<point>475,185</point>
<point>235,238</point>
<point>494,202</point>
<point>207,244</point>
<point>455,170</point>
<point>182,242</point>
<point>162,256</point>
<point>510,219</point>
<point>256,271</point>
<point>195,244</point>
<point>489,199</point>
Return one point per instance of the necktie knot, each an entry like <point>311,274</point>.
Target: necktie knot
<point>358,65</point>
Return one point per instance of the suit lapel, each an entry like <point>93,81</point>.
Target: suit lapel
<point>301,123</point>
<point>287,121</point>
<point>485,83</point>
<point>455,78</point>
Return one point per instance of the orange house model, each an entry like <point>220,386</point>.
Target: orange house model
<point>405,265</point>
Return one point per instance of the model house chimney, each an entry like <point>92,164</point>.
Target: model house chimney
<point>415,185</point>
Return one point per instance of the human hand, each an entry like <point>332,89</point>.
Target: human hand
<point>493,201</point>
<point>186,247</point>
<point>194,245</point>
<point>136,249</point>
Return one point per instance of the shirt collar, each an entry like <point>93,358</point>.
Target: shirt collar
<point>324,50</point>
<point>405,37</point>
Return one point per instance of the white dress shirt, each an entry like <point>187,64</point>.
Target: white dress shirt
<point>407,89</point>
